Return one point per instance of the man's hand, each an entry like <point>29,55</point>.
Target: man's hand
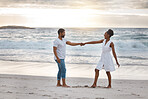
<point>82,44</point>
<point>58,60</point>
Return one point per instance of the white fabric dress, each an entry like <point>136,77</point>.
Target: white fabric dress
<point>106,60</point>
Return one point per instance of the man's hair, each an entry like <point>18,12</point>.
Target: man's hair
<point>110,32</point>
<point>61,30</point>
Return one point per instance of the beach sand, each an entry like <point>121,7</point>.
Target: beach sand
<point>28,80</point>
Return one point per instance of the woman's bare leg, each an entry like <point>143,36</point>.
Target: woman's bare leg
<point>109,79</point>
<point>96,78</point>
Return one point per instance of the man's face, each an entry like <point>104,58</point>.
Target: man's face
<point>63,34</point>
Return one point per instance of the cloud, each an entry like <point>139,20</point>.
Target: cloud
<point>12,18</point>
<point>71,18</point>
<point>77,4</point>
<point>93,12</point>
<point>127,21</point>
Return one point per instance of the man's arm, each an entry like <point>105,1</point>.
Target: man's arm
<point>55,53</point>
<point>95,42</point>
<point>114,53</point>
<point>72,44</point>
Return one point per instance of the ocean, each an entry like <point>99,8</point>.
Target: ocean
<point>36,45</point>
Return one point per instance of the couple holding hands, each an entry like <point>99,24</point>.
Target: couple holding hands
<point>106,61</point>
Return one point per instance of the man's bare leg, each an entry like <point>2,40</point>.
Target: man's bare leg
<point>58,83</point>
<point>64,83</point>
<point>109,79</point>
<point>96,78</point>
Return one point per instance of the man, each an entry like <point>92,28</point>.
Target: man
<point>59,49</point>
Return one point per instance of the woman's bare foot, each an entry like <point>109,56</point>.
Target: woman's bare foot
<point>65,86</point>
<point>109,86</point>
<point>93,86</point>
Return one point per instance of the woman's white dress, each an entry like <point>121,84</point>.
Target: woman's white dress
<point>106,60</point>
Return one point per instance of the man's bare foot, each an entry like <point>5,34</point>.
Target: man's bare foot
<point>108,86</point>
<point>59,85</point>
<point>65,86</point>
<point>93,86</point>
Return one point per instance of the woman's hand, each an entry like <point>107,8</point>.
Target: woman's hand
<point>82,44</point>
<point>118,64</point>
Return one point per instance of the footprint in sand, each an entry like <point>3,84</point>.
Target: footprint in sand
<point>9,92</point>
<point>80,86</point>
<point>47,95</point>
<point>135,94</point>
<point>99,98</point>
<point>31,93</point>
<point>3,85</point>
<point>66,95</point>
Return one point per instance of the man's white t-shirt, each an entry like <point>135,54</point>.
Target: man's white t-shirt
<point>61,48</point>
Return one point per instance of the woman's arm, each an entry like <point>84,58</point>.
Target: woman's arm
<point>94,42</point>
<point>114,53</point>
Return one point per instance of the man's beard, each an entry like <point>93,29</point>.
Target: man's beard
<point>63,36</point>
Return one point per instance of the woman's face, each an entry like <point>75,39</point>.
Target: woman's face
<point>106,35</point>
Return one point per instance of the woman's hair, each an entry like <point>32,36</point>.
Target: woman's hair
<point>110,32</point>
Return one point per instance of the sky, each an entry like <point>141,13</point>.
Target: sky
<point>75,13</point>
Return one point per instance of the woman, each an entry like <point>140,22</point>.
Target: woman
<point>106,58</point>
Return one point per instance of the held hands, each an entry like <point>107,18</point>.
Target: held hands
<point>82,44</point>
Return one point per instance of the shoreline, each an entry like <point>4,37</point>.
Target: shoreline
<point>73,70</point>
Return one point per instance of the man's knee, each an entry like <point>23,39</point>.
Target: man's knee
<point>63,70</point>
